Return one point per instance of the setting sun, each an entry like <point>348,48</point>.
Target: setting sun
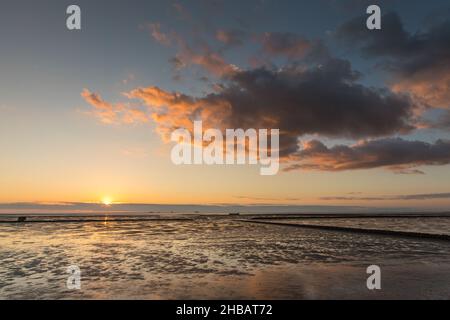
<point>107,201</point>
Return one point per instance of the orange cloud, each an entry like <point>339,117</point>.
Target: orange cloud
<point>202,55</point>
<point>113,113</point>
<point>172,110</point>
<point>431,87</point>
<point>103,110</point>
<point>157,34</point>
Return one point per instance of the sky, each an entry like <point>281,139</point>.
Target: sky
<point>86,115</point>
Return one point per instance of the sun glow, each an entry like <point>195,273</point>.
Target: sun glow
<point>107,201</point>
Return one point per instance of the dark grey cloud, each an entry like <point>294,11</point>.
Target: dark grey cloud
<point>391,40</point>
<point>325,99</point>
<point>396,154</point>
<point>425,196</point>
<point>412,51</point>
<point>419,61</point>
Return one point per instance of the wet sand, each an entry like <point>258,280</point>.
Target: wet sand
<point>214,259</point>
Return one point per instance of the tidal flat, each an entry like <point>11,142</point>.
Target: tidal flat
<point>214,258</point>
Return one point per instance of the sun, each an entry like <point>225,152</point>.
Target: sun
<point>107,201</point>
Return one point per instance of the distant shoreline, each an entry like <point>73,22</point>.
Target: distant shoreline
<point>263,215</point>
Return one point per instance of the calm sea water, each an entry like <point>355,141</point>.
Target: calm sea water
<point>218,258</point>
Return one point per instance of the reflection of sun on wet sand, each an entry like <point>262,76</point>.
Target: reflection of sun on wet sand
<point>217,257</point>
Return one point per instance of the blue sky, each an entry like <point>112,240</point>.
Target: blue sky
<point>54,149</point>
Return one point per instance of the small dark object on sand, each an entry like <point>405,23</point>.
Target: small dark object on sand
<point>234,214</point>
<point>21,219</point>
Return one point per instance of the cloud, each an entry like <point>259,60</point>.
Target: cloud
<point>289,45</point>
<point>254,198</point>
<point>200,54</point>
<point>113,113</point>
<point>323,99</point>
<point>103,110</point>
<point>419,62</point>
<point>208,59</point>
<point>426,196</point>
<point>313,94</point>
<point>231,38</point>
<point>157,34</point>
<point>395,154</point>
<point>172,110</point>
